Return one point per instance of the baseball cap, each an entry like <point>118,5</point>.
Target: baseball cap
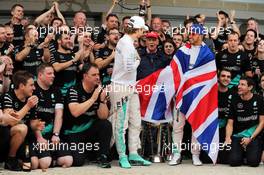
<point>152,35</point>
<point>137,22</point>
<point>198,29</point>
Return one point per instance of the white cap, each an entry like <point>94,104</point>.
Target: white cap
<point>137,22</point>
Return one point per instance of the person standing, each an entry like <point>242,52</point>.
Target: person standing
<point>124,99</point>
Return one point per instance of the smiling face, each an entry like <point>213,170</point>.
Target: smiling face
<point>18,12</point>
<point>65,42</point>
<point>224,78</point>
<point>79,20</point>
<point>86,38</point>
<point>28,88</point>
<point>244,88</point>
<point>9,66</point>
<point>250,37</point>
<point>195,39</point>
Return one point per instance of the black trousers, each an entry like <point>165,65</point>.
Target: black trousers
<point>93,142</point>
<point>252,153</point>
<point>4,142</point>
<point>224,152</point>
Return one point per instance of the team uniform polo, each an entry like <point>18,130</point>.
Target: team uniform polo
<point>66,78</point>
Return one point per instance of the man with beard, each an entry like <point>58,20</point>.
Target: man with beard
<point>49,110</point>
<point>105,56</point>
<point>65,63</point>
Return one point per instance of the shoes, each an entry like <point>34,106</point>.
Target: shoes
<point>176,159</point>
<point>123,162</point>
<point>103,162</point>
<point>12,164</point>
<point>196,160</point>
<point>137,160</point>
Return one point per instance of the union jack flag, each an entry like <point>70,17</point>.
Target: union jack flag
<point>193,84</point>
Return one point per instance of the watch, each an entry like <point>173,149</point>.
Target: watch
<point>56,134</point>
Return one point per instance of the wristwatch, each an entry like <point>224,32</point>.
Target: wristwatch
<point>56,134</point>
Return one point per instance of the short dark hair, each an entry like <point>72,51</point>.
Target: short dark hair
<point>1,25</point>
<point>130,30</point>
<point>155,17</point>
<point>54,19</point>
<point>255,33</point>
<point>187,21</point>
<point>126,17</point>
<point>169,41</point>
<point>16,5</point>
<point>249,81</point>
<point>42,67</point>
<point>111,15</point>
<point>197,16</point>
<point>87,66</point>
<point>59,35</point>
<point>21,77</point>
<point>224,69</point>
<point>252,19</point>
<point>178,33</point>
<point>166,21</point>
<point>233,33</point>
<point>221,12</point>
<point>109,31</point>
